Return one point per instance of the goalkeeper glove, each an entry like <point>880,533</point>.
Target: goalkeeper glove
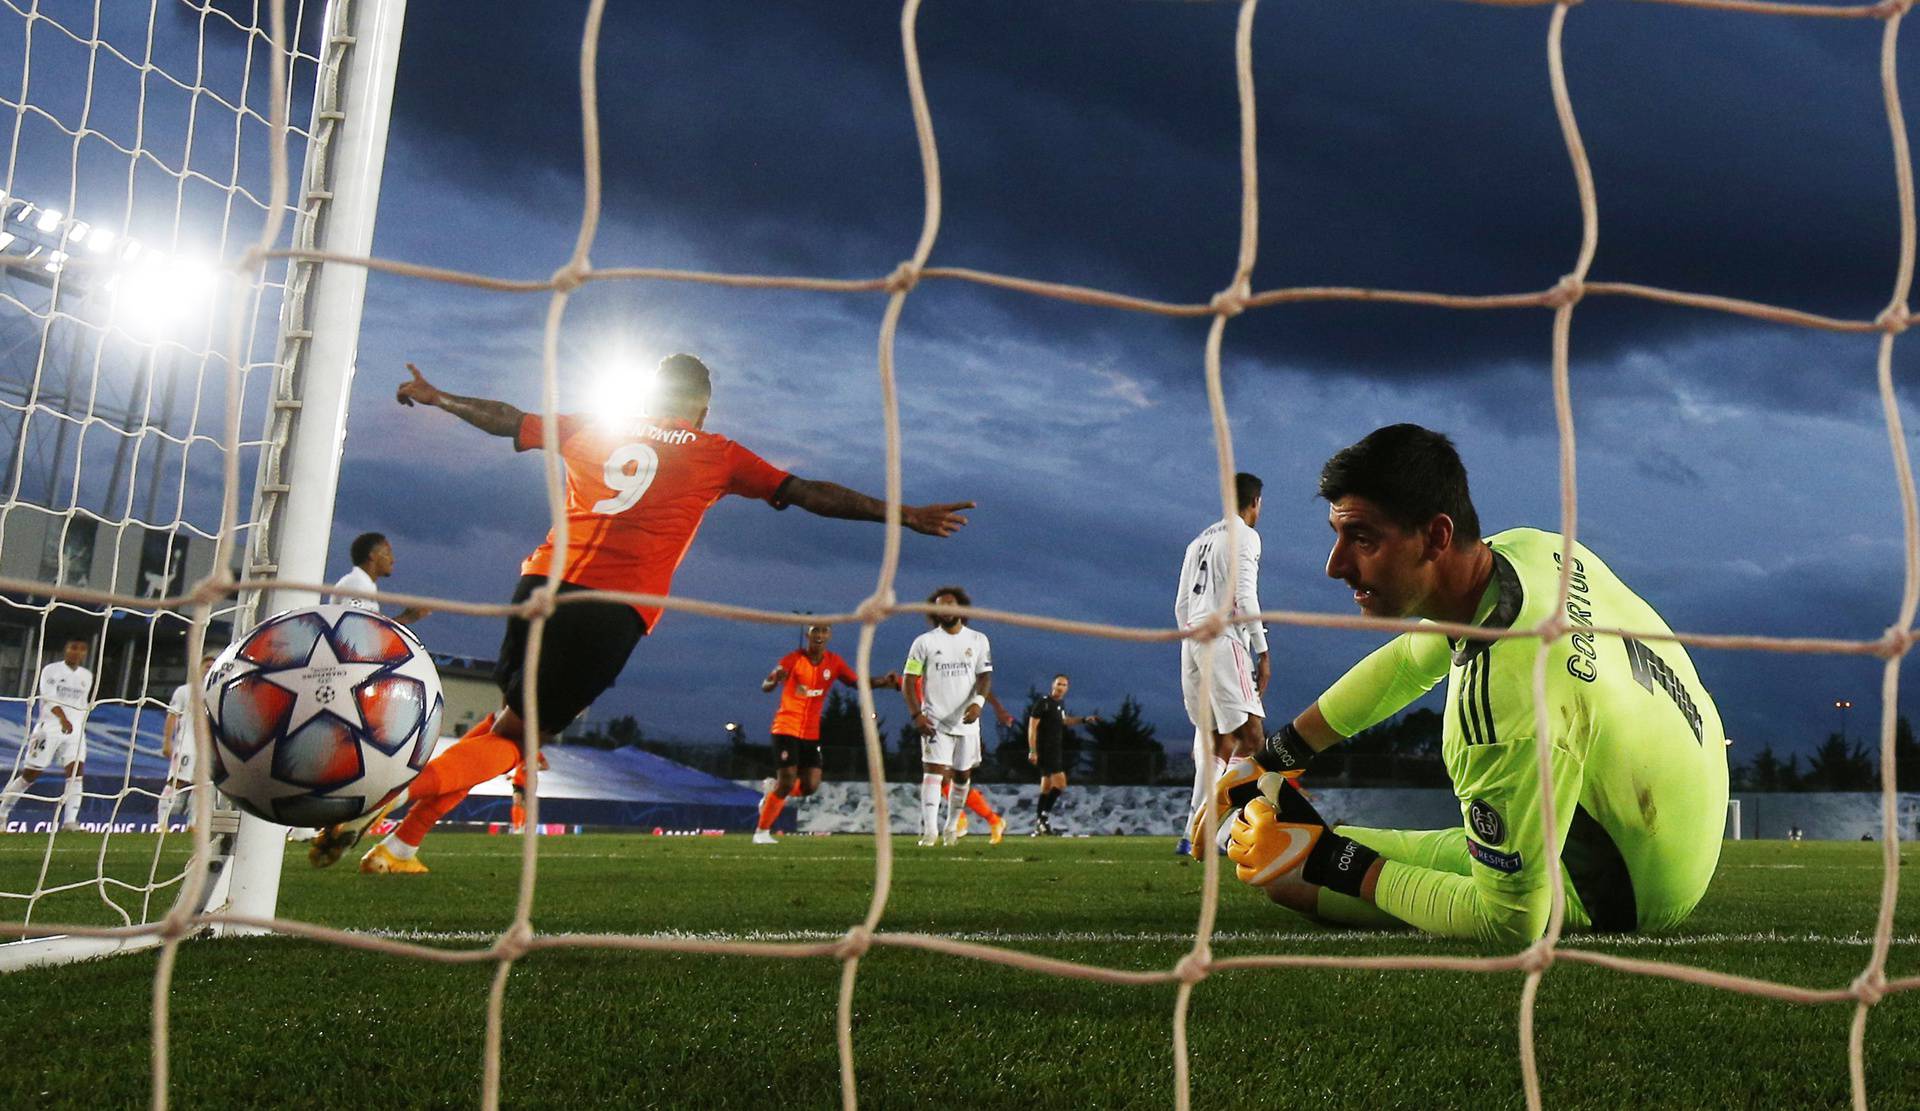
<point>1236,787</point>
<point>1274,839</point>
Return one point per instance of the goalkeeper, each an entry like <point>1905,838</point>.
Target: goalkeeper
<point>1639,759</point>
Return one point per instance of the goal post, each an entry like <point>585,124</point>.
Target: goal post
<point>116,220</point>
<point>339,195</point>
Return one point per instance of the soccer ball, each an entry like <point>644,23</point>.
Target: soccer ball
<point>320,714</point>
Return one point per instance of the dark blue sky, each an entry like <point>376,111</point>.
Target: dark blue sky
<point>1735,474</point>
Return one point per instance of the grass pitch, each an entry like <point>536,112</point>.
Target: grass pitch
<point>286,1023</point>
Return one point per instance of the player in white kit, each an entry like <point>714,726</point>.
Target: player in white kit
<point>1240,667</point>
<point>949,674</point>
<point>59,738</point>
<point>372,557</point>
<point>180,746</point>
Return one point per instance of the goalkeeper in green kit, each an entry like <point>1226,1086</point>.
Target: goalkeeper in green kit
<point>1639,757</point>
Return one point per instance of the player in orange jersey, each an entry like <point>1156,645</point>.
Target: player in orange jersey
<point>804,677</point>
<point>519,811</point>
<point>637,489</point>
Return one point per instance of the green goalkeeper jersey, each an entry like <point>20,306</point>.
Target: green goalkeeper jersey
<point>1639,757</point>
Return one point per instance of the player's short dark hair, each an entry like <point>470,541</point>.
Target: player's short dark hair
<point>1063,675</point>
<point>1412,473</point>
<point>1246,489</point>
<point>363,546</point>
<point>75,640</point>
<point>959,593</point>
<point>684,381</point>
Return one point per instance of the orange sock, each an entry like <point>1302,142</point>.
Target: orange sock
<point>422,813</point>
<point>770,808</point>
<point>977,803</point>
<point>468,762</point>
<point>519,815</point>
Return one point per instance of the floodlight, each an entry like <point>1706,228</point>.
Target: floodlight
<point>158,295</point>
<point>622,390</point>
<point>49,219</point>
<point>99,239</point>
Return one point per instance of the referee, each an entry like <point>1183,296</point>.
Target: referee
<point>1045,725</point>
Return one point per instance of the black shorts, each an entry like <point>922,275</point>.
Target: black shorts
<point>795,752</point>
<point>581,653</point>
<point>1051,761</point>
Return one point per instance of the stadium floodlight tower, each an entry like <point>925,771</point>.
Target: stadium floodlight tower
<point>180,203</point>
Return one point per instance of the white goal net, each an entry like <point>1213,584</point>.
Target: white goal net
<point>155,366</point>
<point>91,402</point>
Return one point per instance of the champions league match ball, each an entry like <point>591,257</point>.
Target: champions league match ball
<point>319,714</point>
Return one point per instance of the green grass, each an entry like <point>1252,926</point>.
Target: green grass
<point>283,1023</point>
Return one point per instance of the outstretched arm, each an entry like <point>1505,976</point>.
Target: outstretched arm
<point>773,678</point>
<point>830,499</point>
<point>496,418</point>
<point>888,682</point>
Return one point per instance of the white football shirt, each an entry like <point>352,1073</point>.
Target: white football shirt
<point>949,663</point>
<point>186,735</point>
<point>68,688</point>
<point>1205,584</point>
<point>355,579</point>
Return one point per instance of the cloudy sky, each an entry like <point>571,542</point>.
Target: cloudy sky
<point>1736,474</point>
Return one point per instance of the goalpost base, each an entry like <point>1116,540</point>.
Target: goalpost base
<point>226,832</point>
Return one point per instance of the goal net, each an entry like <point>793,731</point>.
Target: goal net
<point>92,387</point>
<point>156,372</point>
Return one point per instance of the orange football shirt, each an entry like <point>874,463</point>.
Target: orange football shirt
<point>804,694</point>
<point>635,497</point>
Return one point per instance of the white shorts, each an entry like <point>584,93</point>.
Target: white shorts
<point>181,769</point>
<point>959,751</point>
<point>50,747</point>
<point>1234,697</point>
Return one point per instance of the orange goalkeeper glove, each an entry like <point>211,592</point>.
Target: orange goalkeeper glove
<point>1240,784</point>
<point>1264,848</point>
<point>1273,839</point>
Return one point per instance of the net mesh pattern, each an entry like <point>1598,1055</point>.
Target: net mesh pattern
<point>130,316</point>
<point>1236,296</point>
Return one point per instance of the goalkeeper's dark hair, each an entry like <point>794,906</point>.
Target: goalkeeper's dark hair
<point>1412,473</point>
<point>959,593</point>
<point>363,546</point>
